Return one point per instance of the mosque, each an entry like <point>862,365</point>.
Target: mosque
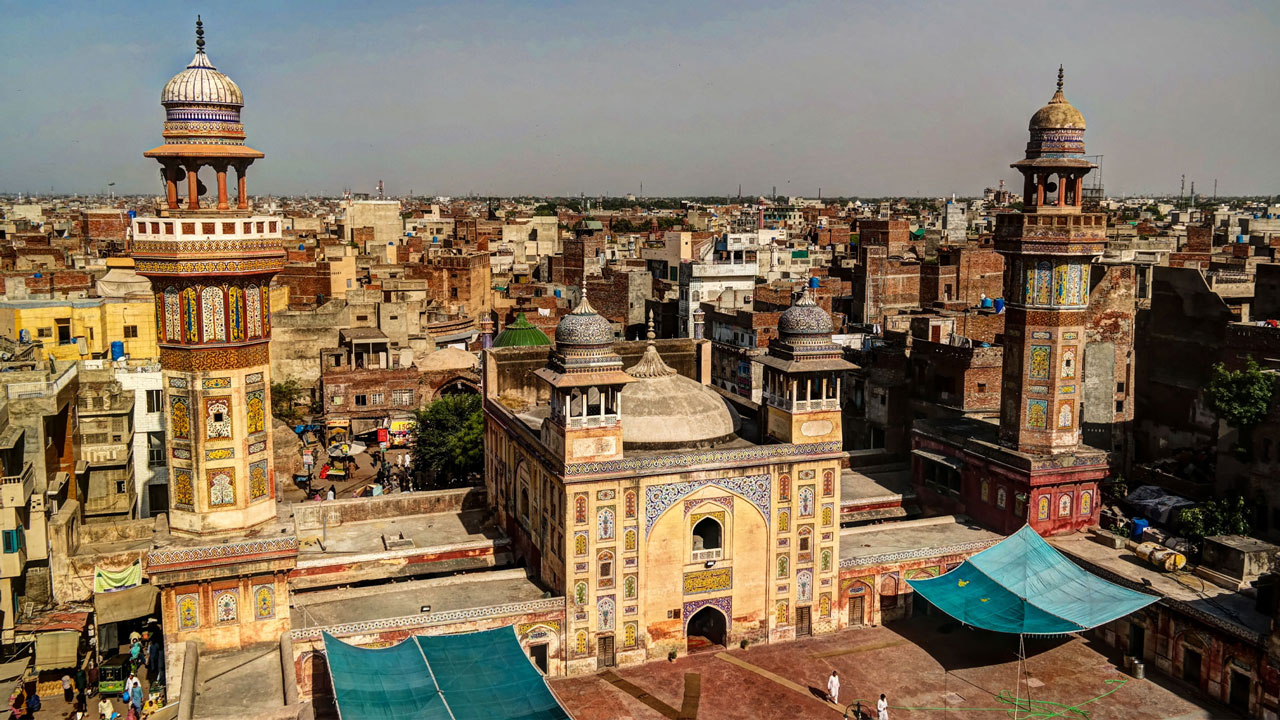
<point>630,489</point>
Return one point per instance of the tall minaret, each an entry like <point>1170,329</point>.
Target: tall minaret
<point>210,268</point>
<point>1047,248</point>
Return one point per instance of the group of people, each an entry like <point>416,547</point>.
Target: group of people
<point>833,694</point>
<point>394,475</point>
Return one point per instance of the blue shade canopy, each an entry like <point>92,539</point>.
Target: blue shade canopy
<point>443,677</point>
<point>1024,585</point>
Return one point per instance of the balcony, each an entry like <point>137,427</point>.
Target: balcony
<point>15,490</point>
<point>702,556</point>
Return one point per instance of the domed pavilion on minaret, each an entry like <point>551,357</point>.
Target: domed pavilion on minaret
<point>210,263</point>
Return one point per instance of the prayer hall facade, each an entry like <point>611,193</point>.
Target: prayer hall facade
<point>629,488</point>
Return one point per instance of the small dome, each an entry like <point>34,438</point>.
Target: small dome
<point>1058,114</point>
<point>448,359</point>
<point>805,318</point>
<point>521,333</point>
<point>201,83</point>
<point>584,326</point>
<point>664,409</point>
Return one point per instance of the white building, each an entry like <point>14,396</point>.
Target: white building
<point>150,466</point>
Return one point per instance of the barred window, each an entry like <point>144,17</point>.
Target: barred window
<point>402,397</point>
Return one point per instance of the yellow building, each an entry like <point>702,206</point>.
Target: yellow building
<point>81,329</point>
<point>633,493</point>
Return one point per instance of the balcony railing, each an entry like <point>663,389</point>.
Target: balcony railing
<point>708,555</point>
<point>15,490</point>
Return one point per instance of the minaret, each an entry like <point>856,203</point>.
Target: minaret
<point>1047,249</point>
<point>586,380</point>
<point>803,373</point>
<point>211,269</point>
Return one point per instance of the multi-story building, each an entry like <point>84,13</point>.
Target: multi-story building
<point>363,383</point>
<point>381,216</point>
<point>739,337</point>
<point>80,329</point>
<point>17,484</point>
<point>105,435</point>
<point>724,278</point>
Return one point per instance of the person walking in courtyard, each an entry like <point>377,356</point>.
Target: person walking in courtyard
<point>882,708</point>
<point>833,687</point>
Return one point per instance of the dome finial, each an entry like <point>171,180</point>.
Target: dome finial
<point>1059,78</point>
<point>199,35</point>
<point>651,335</point>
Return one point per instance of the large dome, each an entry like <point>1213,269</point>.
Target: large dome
<point>201,83</point>
<point>521,333</point>
<point>663,409</point>
<point>1058,114</point>
<point>805,318</point>
<point>584,326</point>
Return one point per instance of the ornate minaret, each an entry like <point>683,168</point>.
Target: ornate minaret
<point>210,269</point>
<point>1047,248</point>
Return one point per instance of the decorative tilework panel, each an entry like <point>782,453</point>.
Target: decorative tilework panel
<point>604,613</point>
<point>180,416</point>
<point>264,602</point>
<point>804,586</point>
<point>258,480</point>
<point>178,382</point>
<point>183,489</point>
<point>605,494</point>
<point>256,411</point>
<point>704,581</point>
<point>1037,414</point>
<point>806,501</point>
<point>1066,416</point>
<point>828,514</point>
<point>580,508</point>
<point>725,501</point>
<point>188,611</point>
<point>784,520</point>
<point>828,483</point>
<point>182,453</point>
<point>1038,368</point>
<point>723,604</point>
<point>257,447</point>
<point>580,543</point>
<point>604,523</point>
<point>784,566</point>
<point>629,635</point>
<point>1086,502</point>
<point>629,587</point>
<point>253,378</point>
<point>219,454</point>
<point>658,498</point>
<point>216,383</point>
<point>221,486</point>
<point>226,605</point>
<point>217,418</point>
<point>629,504</point>
<point>630,539</point>
<point>213,318</point>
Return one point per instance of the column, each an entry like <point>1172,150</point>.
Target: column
<point>193,187</point>
<point>222,185</point>
<point>171,186</point>
<point>242,196</point>
<point>1039,190</point>
<point>1079,190</point>
<point>1062,189</point>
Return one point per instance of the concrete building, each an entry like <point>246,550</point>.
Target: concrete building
<point>105,435</point>
<point>72,330</point>
<point>382,216</point>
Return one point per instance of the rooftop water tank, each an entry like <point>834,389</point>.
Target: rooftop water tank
<point>117,349</point>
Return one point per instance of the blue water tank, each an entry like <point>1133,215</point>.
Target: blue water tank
<point>813,283</point>
<point>24,336</point>
<point>117,349</point>
<point>987,302</point>
<point>1240,238</point>
<point>1139,525</point>
<point>998,304</point>
<point>302,246</point>
<point>133,214</point>
<point>557,293</point>
<point>38,275</point>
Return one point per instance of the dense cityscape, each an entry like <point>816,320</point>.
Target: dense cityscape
<point>383,455</point>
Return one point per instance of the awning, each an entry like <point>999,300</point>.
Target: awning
<point>128,604</point>
<point>471,676</point>
<point>57,650</point>
<point>939,458</point>
<point>1023,585</point>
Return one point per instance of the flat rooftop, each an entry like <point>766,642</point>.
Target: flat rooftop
<point>460,592</point>
<point>426,531</point>
<point>864,544</point>
<point>244,683</point>
<point>1227,606</point>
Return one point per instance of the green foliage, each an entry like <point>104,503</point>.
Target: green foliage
<point>545,210</point>
<point>1217,516</point>
<point>666,223</point>
<point>622,225</point>
<point>1241,397</point>
<point>285,398</point>
<point>448,438</point>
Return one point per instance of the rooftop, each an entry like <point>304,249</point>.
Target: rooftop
<point>1227,608</point>
<point>460,592</point>
<point>426,531</point>
<point>919,538</point>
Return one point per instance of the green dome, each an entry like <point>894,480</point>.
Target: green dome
<point>521,333</point>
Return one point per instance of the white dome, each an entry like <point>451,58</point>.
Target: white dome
<point>201,83</point>
<point>664,409</point>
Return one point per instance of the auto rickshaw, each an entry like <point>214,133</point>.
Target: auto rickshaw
<point>112,674</point>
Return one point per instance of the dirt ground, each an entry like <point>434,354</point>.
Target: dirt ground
<point>927,667</point>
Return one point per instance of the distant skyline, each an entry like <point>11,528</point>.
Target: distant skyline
<point>562,98</point>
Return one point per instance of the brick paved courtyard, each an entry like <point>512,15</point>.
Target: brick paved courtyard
<point>1066,678</point>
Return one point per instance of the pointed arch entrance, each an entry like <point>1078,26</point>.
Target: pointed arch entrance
<point>707,629</point>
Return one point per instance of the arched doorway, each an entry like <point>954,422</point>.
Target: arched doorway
<point>458,386</point>
<point>707,630</point>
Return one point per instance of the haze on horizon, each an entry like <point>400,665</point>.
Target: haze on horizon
<point>562,98</point>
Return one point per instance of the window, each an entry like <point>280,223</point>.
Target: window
<point>375,398</point>
<point>453,292</point>
<point>12,542</point>
<point>402,397</point>
<point>64,331</point>
<point>335,400</point>
<point>708,540</point>
<point>1119,387</point>
<point>362,400</point>
<point>362,318</point>
<point>154,400</point>
<point>120,487</point>
<point>1119,406</point>
<point>155,449</point>
<point>218,416</point>
<point>44,332</point>
<point>804,543</point>
<point>982,387</point>
<point>130,332</point>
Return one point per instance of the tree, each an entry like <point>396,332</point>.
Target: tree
<point>1217,516</point>
<point>448,438</point>
<point>284,400</point>
<point>1241,397</point>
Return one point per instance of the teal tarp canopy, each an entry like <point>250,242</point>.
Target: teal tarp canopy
<point>1024,585</point>
<point>447,677</point>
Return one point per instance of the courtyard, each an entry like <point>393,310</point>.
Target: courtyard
<point>928,667</point>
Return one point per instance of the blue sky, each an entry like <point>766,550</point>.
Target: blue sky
<point>857,98</point>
